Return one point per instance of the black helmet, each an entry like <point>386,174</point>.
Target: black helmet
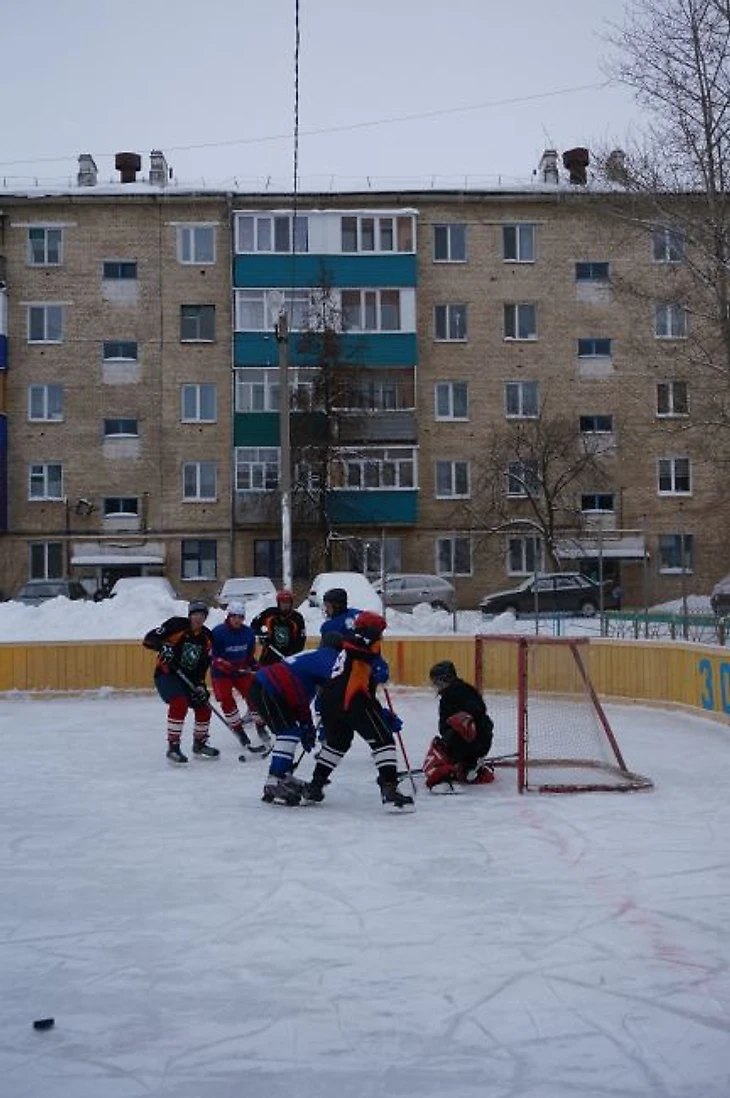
<point>197,606</point>
<point>442,673</point>
<point>331,639</point>
<point>337,598</point>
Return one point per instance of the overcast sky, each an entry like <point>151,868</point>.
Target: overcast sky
<point>488,83</point>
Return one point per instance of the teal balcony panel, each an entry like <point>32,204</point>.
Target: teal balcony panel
<point>379,507</point>
<point>380,269</point>
<point>356,349</point>
<point>256,429</point>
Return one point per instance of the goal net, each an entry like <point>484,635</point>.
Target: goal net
<point>548,721</point>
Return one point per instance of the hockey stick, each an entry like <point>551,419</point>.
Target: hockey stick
<point>190,686</point>
<point>409,772</point>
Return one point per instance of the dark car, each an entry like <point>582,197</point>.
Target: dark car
<point>720,597</point>
<point>35,592</point>
<point>550,593</point>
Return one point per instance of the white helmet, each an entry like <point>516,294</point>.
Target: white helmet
<point>236,608</point>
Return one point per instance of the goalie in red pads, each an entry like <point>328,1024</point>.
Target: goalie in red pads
<point>458,753</point>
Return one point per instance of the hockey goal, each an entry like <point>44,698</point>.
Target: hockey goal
<point>548,721</point>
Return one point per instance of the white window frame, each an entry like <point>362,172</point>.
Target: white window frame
<point>670,320</point>
<point>444,396</point>
<point>192,392</point>
<point>197,244</point>
<point>204,571</point>
<point>52,243</point>
<point>50,311</point>
<point>517,399</point>
<point>667,244</point>
<point>297,304</point>
<point>670,388</point>
<point>520,483</point>
<point>129,506</point>
<point>393,468</point>
<point>200,319</point>
<point>513,311</point>
<point>45,472</point>
<point>448,318</point>
<point>199,472</point>
<point>531,551</point>
<point>371,310</point>
<point>667,471</point>
<point>455,250</point>
<point>263,232</point>
<point>256,389</point>
<point>458,475</point>
<point>131,423</point>
<point>121,263</point>
<point>49,400</point>
<point>525,242</point>
<point>591,268</point>
<point>594,352</point>
<point>50,569</point>
<point>258,468</point>
<point>447,549</point>
<point>385,236</point>
<point>119,343</point>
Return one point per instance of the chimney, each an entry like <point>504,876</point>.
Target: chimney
<point>88,171</point>
<point>616,170</point>
<point>548,166</point>
<point>576,161</point>
<point>128,164</point>
<point>158,169</point>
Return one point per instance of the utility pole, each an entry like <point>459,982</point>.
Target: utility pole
<point>282,339</point>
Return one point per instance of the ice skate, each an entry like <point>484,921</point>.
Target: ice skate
<point>257,750</point>
<point>312,793</point>
<point>203,750</point>
<point>394,800</point>
<point>286,790</point>
<point>175,755</point>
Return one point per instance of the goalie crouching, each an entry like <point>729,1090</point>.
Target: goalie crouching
<point>458,753</point>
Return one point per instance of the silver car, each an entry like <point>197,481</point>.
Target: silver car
<point>404,590</point>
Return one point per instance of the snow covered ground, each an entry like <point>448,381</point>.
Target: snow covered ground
<point>192,942</point>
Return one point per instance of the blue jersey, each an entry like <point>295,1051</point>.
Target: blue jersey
<point>296,678</point>
<point>235,645</point>
<point>340,623</point>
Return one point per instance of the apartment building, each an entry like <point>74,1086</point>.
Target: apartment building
<point>142,419</point>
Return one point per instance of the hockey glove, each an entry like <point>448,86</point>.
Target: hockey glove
<point>380,671</point>
<point>166,658</point>
<point>222,665</point>
<point>308,735</point>
<point>199,695</point>
<point>392,720</point>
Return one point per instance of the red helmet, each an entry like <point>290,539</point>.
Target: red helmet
<point>369,626</point>
<point>284,596</point>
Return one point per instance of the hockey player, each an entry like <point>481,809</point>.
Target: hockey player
<point>183,647</point>
<point>348,705</point>
<point>232,669</point>
<point>339,617</point>
<point>283,693</point>
<point>459,751</point>
<point>281,629</point>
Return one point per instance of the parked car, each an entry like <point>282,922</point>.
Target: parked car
<point>404,590</point>
<point>552,592</point>
<point>720,597</point>
<point>144,585</point>
<point>360,591</point>
<point>35,592</point>
<point>245,589</point>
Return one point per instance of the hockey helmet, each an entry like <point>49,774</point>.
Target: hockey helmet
<point>197,606</point>
<point>442,673</point>
<point>337,599</point>
<point>369,626</point>
<point>236,608</point>
<point>284,596</point>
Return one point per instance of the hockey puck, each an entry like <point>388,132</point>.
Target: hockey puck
<point>44,1023</point>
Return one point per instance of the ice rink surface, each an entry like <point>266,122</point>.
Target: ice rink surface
<point>192,942</point>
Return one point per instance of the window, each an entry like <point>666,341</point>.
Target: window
<point>451,400</point>
<point>271,233</point>
<point>267,560</point>
<point>198,403</point>
<point>667,245</point>
<point>672,398</point>
<point>45,402</point>
<point>670,321</point>
<point>597,501</point>
<point>196,244</point>
<point>373,395</point>
<point>256,310</point>
<point>449,322</point>
<point>449,243</point>
<point>596,425</point>
<point>114,428</point>
<point>119,350</point>
<point>45,560</point>
<point>520,321</point>
<point>675,552</point>
<point>374,557</point>
<point>257,468</point>
<point>591,272</point>
<point>45,247</point>
<point>594,348</point>
<point>197,323</point>
<point>45,323</point>
<point>522,399</point>
<point>452,480</point>
<point>391,467</point>
<point>518,243</point>
<point>199,480</point>
<point>256,390</point>
<point>45,481</point>
<point>116,269</point>
<point>522,478</point>
<point>674,476</point>
<point>371,310</point>
<point>365,233</point>
<point>199,558</point>
<point>453,556</point>
<point>120,505</point>
<point>525,555</point>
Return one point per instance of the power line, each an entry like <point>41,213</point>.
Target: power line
<point>393,120</point>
